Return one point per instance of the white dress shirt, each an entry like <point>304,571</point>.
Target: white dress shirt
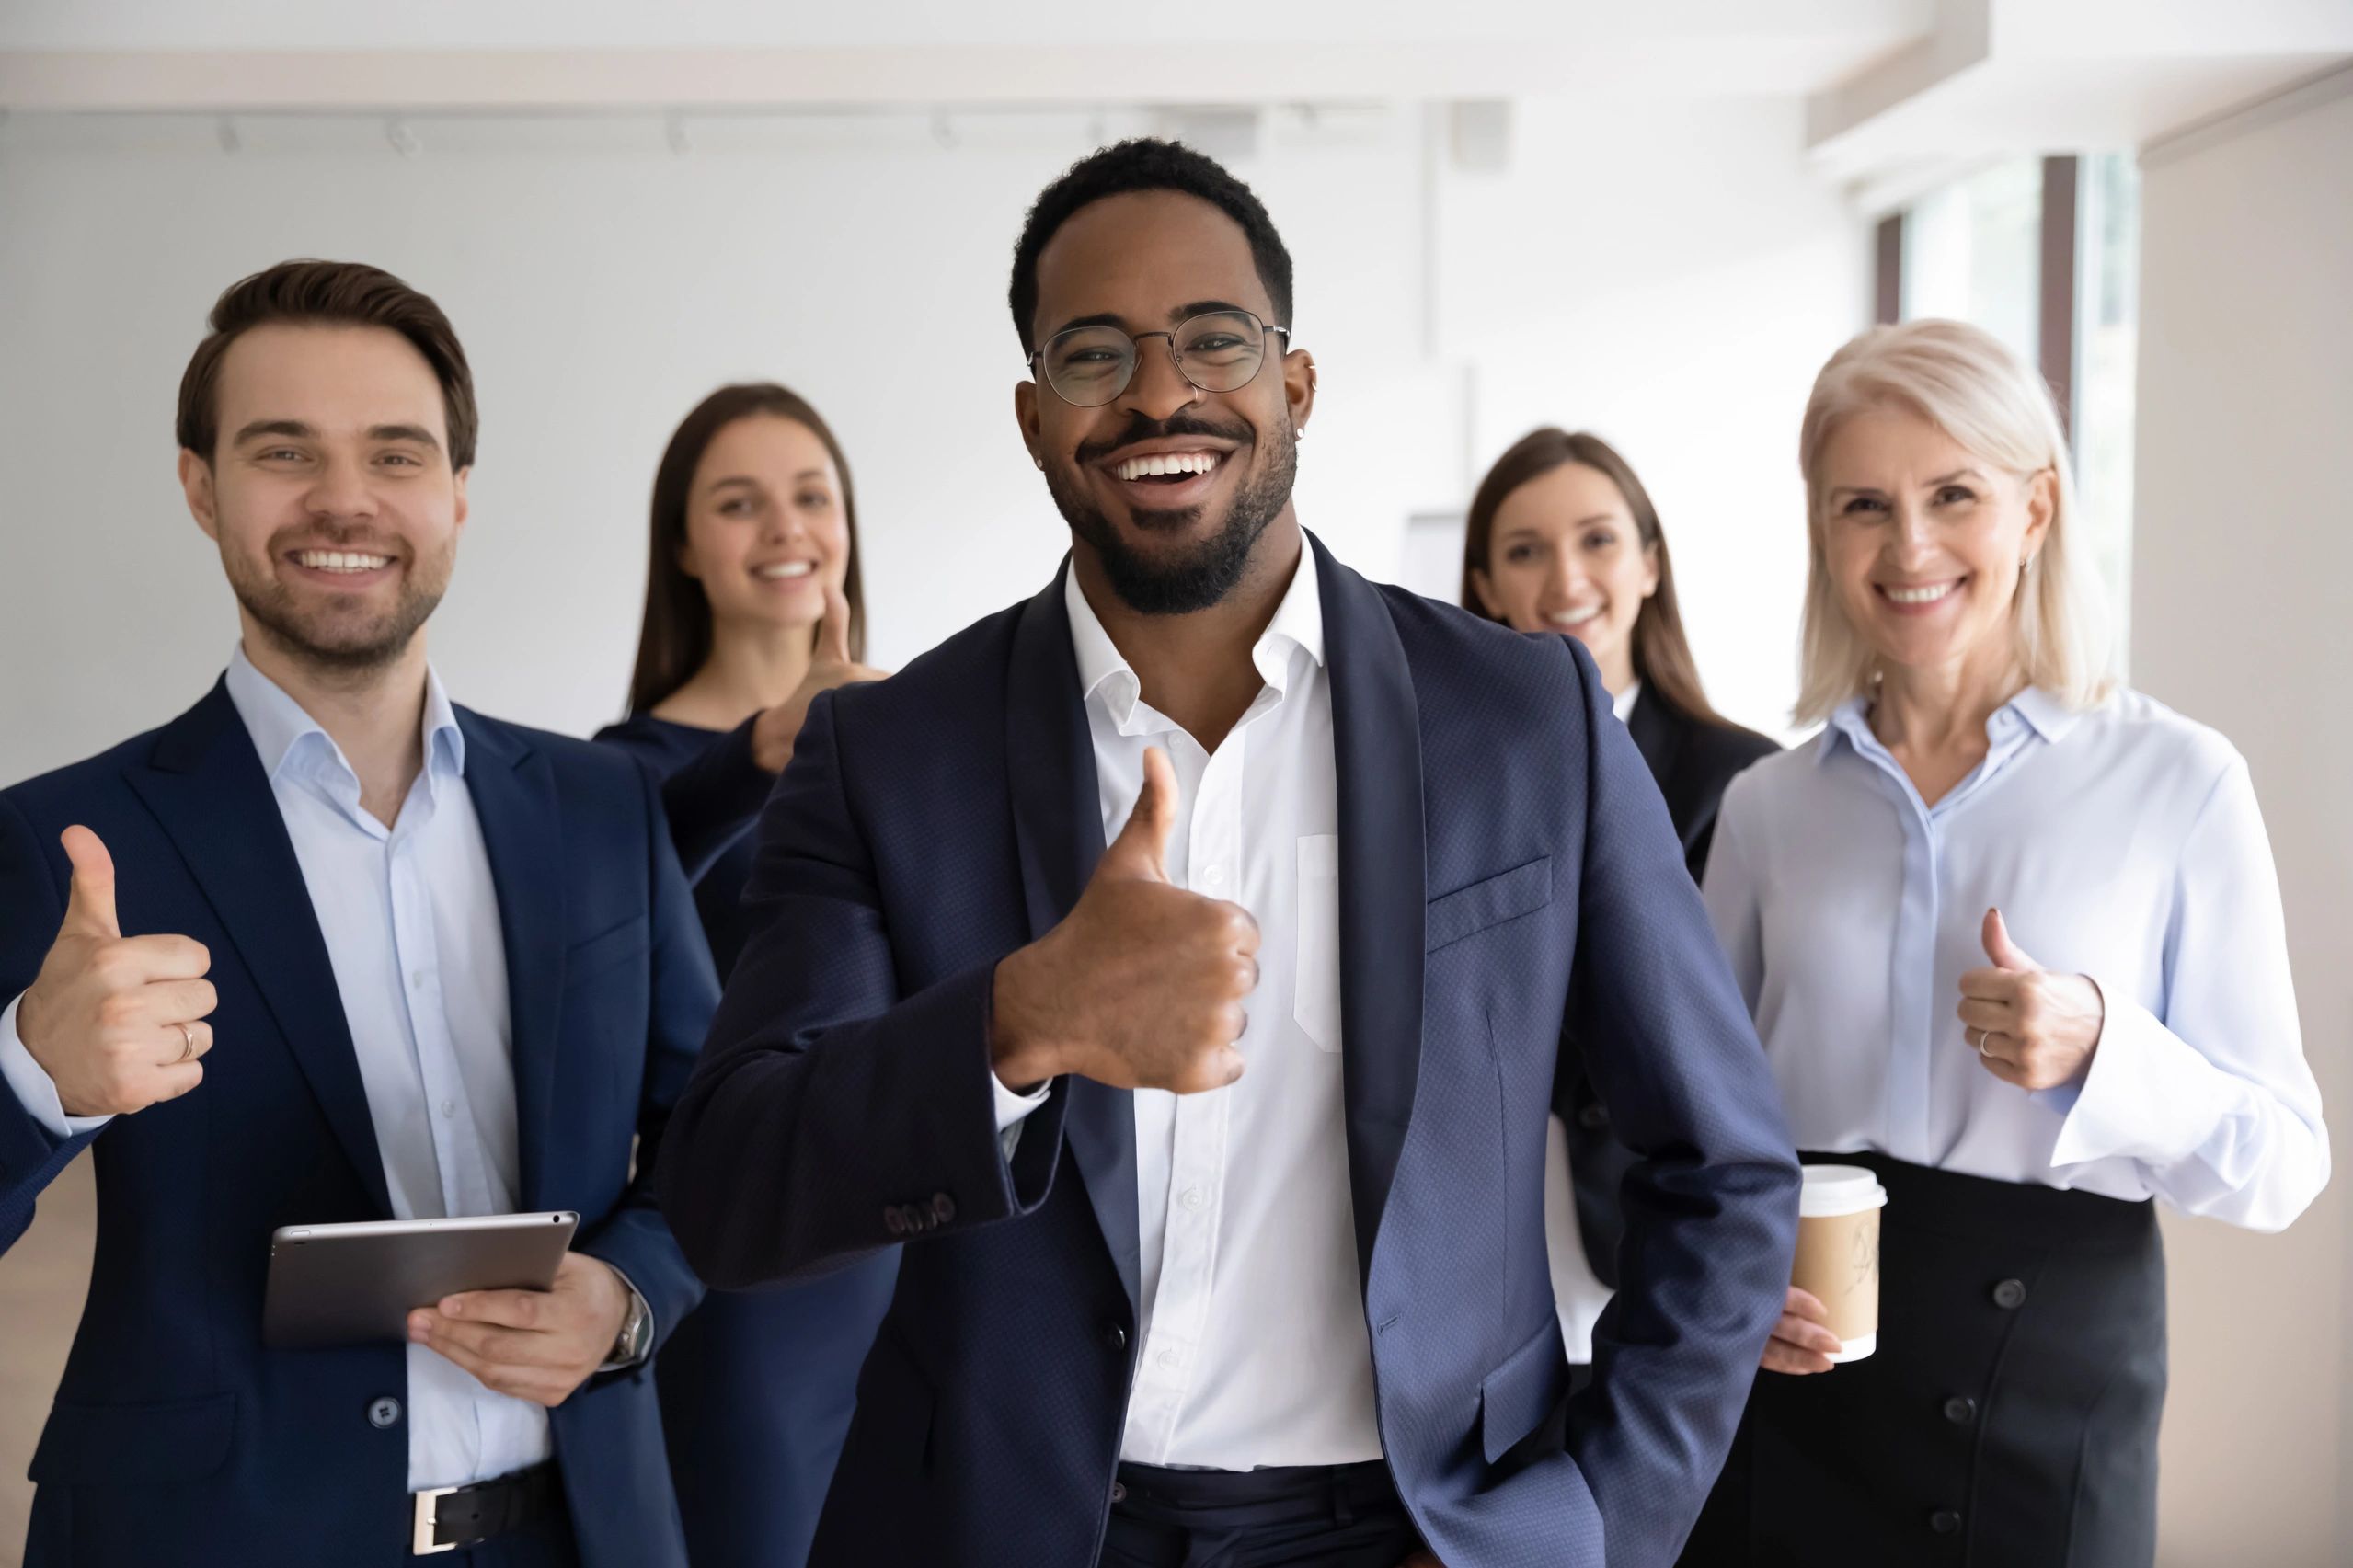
<point>2123,843</point>
<point>410,916</point>
<point>1251,1343</point>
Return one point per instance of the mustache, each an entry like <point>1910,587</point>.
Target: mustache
<point>1140,428</point>
<point>327,534</point>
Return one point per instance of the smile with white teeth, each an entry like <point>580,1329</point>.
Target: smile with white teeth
<point>1167,463</point>
<point>776,571</point>
<point>1928,594</point>
<point>340,561</point>
<point>1574,617</point>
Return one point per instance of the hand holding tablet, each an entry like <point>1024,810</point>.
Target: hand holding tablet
<point>334,1285</point>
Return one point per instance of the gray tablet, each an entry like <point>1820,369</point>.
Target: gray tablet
<point>357,1284</point>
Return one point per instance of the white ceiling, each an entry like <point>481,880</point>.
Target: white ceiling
<point>544,53</point>
<point>1897,91</point>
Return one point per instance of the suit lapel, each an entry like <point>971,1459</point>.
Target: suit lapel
<point>1376,742</point>
<point>514,796</point>
<point>1058,830</point>
<point>205,785</point>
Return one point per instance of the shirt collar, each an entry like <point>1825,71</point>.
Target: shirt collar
<point>2037,709</point>
<point>280,729</point>
<point>1298,623</point>
<point>1623,704</point>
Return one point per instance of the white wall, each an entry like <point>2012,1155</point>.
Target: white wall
<point>1665,272</point>
<point>2241,561</point>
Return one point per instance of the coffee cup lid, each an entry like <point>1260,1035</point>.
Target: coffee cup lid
<point>1831,1190</point>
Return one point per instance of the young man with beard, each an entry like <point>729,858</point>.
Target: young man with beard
<point>450,966</point>
<point>1179,964</point>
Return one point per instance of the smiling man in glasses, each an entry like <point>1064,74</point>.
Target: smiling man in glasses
<point>1180,963</point>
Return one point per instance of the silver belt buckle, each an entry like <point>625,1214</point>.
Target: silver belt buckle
<point>421,1537</point>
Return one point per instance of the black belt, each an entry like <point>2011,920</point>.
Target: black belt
<point>1276,1494</point>
<point>450,1516</point>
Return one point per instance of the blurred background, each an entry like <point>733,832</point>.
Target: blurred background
<point>1653,221</point>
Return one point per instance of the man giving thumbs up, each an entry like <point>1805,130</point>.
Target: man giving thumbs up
<point>1178,965</point>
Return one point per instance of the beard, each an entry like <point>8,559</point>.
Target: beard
<point>1182,581</point>
<point>339,637</point>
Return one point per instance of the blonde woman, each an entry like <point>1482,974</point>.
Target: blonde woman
<point>2012,937</point>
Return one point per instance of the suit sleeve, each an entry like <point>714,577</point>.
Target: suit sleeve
<point>711,798</point>
<point>31,908</point>
<point>831,1116</point>
<point>634,1238</point>
<point>1710,1202</point>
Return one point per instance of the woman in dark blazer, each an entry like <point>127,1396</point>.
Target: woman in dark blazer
<point>752,608</point>
<point>1562,538</point>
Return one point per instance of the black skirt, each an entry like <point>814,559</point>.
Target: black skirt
<point>2009,1416</point>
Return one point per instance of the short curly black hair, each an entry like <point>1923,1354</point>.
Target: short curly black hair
<point>1145,163</point>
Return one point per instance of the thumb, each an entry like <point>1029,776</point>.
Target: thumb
<point>90,904</point>
<point>834,631</point>
<point>2005,954</point>
<point>1140,852</point>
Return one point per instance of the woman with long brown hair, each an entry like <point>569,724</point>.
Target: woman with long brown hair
<point>752,608</point>
<point>1562,538</point>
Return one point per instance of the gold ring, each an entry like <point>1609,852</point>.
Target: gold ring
<point>187,1043</point>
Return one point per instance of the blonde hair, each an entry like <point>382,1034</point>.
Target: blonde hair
<point>1974,388</point>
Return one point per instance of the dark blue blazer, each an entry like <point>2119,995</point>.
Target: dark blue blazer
<point>176,1436</point>
<point>1506,869</point>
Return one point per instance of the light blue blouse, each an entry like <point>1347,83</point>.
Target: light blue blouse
<point>2122,842</point>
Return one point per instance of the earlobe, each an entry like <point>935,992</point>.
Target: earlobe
<point>462,509</point>
<point>2042,504</point>
<point>196,484</point>
<point>1025,416</point>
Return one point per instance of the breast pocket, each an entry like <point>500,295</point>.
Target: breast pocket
<point>1316,988</point>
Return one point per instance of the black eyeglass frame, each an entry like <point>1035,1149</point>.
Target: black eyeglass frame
<point>1036,363</point>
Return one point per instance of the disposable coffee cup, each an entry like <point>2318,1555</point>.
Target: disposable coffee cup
<point>1837,1251</point>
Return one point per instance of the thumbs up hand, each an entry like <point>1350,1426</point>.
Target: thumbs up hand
<point>116,1021</point>
<point>1142,986</point>
<point>774,731</point>
<point>2031,1027</point>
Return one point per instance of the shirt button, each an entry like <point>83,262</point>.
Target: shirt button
<point>416,979</point>
<point>1192,1197</point>
<point>1944,1521</point>
<point>449,1107</point>
<point>2010,1295</point>
<point>1169,1360</point>
<point>1960,1410</point>
<point>1215,876</point>
<point>383,1411</point>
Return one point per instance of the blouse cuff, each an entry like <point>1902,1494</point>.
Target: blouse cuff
<point>2149,1095</point>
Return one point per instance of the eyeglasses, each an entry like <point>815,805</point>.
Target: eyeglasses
<point>1219,351</point>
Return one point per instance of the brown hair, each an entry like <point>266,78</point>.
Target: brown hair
<point>1662,656</point>
<point>347,294</point>
<point>676,635</point>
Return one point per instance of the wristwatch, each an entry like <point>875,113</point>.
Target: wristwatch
<point>635,1337</point>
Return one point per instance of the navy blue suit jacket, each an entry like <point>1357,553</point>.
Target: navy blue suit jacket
<point>176,1436</point>
<point>1506,869</point>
